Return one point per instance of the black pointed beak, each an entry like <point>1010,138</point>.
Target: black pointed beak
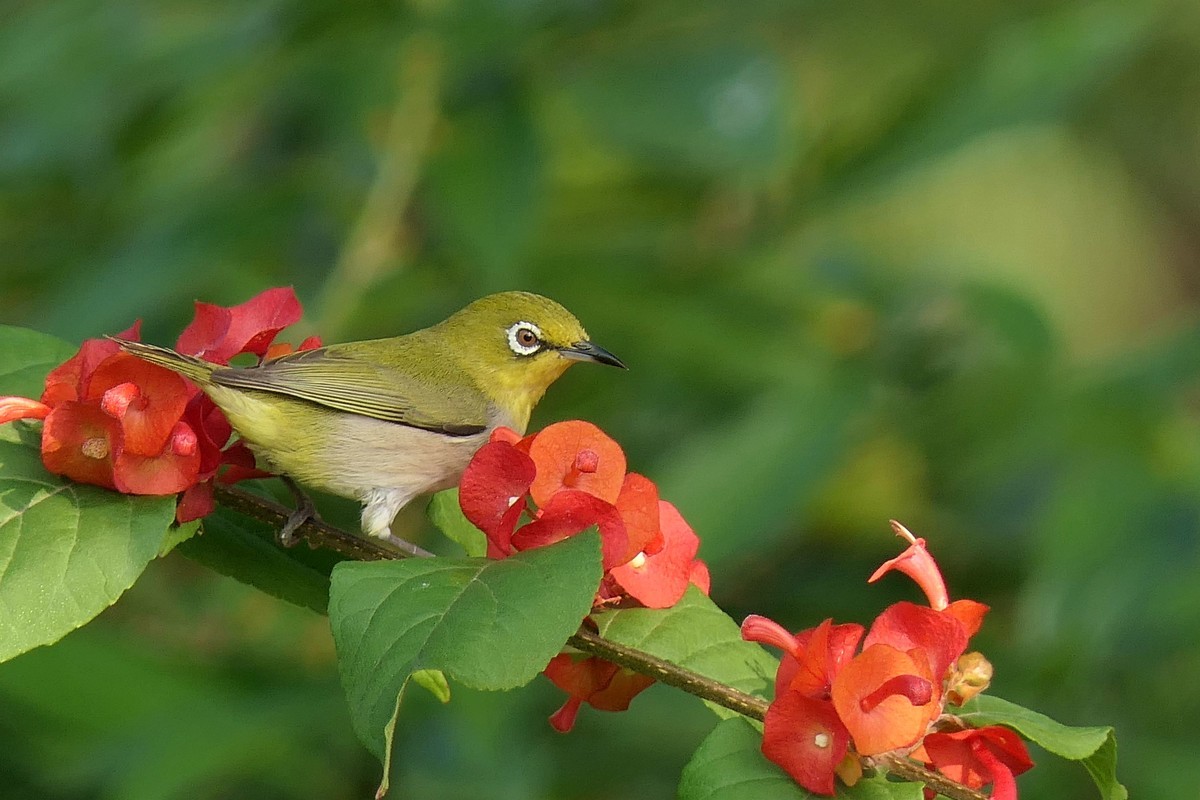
<point>586,351</point>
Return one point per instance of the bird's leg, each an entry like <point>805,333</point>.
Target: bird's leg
<point>305,510</point>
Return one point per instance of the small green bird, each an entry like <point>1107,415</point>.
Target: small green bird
<point>386,420</point>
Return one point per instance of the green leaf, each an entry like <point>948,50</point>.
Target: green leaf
<point>445,512</point>
<point>696,634</point>
<point>487,624</point>
<point>1095,747</point>
<point>25,358</point>
<point>67,551</point>
<point>729,765</point>
<point>177,535</point>
<point>245,550</point>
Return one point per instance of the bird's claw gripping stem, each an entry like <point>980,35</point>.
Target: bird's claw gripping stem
<point>305,510</point>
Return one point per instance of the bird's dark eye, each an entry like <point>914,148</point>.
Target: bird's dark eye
<point>524,338</point>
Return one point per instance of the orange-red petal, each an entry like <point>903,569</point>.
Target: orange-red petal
<point>805,737</point>
<point>80,441</point>
<point>170,471</point>
<point>639,507</point>
<point>905,625</point>
<point>659,580</point>
<point>14,408</point>
<point>558,451</point>
<point>896,718</point>
<point>149,413</point>
<point>570,512</point>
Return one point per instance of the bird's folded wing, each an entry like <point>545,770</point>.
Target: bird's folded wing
<point>359,387</point>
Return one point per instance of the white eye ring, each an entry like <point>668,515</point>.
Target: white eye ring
<point>514,342</point>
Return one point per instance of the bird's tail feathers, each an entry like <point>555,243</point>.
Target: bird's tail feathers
<point>197,369</point>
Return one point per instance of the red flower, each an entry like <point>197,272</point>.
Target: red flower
<point>980,756</point>
<point>570,477</point>
<point>114,420</point>
<point>599,683</point>
<point>830,702</point>
<point>803,732</point>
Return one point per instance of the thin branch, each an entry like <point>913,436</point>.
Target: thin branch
<point>670,674</point>
<point>315,532</point>
<point>320,534</point>
<point>910,770</point>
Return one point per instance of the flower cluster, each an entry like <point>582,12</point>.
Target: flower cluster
<point>559,482</point>
<point>114,420</point>
<point>836,702</point>
<point>567,478</point>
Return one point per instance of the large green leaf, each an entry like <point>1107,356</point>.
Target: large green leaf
<point>67,551</point>
<point>696,634</point>
<point>1095,747</point>
<point>729,765</point>
<point>487,624</point>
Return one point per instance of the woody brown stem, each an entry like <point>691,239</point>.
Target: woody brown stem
<point>315,532</point>
<point>320,534</point>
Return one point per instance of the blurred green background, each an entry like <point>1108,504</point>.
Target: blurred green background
<point>931,260</point>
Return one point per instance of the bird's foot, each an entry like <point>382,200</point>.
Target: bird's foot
<point>305,510</point>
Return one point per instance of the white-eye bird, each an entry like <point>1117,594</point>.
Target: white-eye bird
<point>386,420</point>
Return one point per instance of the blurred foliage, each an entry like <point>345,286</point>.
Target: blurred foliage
<point>933,261</point>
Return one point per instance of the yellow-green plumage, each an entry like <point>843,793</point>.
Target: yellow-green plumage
<point>386,420</point>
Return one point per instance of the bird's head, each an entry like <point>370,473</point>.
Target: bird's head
<point>515,344</point>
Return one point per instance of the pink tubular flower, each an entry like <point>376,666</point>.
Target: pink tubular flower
<point>14,408</point>
<point>916,563</point>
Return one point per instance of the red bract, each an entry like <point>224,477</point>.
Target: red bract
<point>492,491</point>
<point>980,756</point>
<point>806,737</point>
<point>218,334</point>
<point>569,512</point>
<point>658,580</point>
<point>905,626</point>
<point>599,683</point>
<point>114,420</point>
